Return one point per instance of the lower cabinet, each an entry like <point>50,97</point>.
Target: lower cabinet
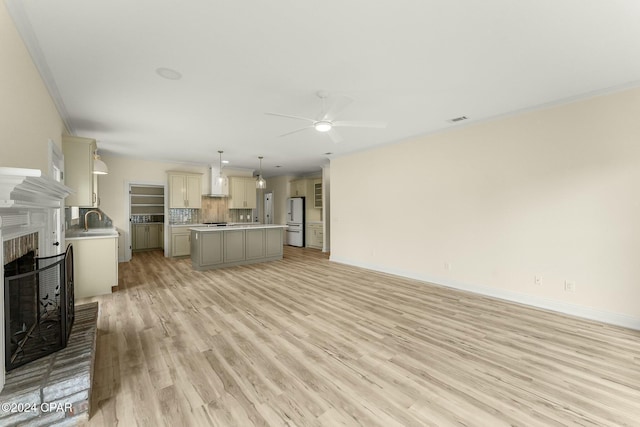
<point>147,236</point>
<point>214,249</point>
<point>180,242</point>
<point>254,242</point>
<point>210,250</point>
<point>315,236</point>
<point>95,266</point>
<point>233,245</point>
<point>274,242</point>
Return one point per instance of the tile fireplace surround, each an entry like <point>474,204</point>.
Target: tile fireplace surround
<point>29,204</point>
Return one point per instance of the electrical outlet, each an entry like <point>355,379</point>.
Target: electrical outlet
<point>241,217</point>
<point>447,266</point>
<point>569,286</point>
<point>537,280</point>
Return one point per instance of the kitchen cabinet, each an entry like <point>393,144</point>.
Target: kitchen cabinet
<point>234,245</point>
<point>242,193</point>
<point>317,193</point>
<point>218,247</point>
<point>185,190</point>
<point>78,171</point>
<point>298,188</point>
<point>315,236</point>
<point>95,265</point>
<point>274,241</point>
<point>254,243</point>
<point>180,241</point>
<point>146,236</point>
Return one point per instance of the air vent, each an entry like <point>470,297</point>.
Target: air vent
<point>458,119</point>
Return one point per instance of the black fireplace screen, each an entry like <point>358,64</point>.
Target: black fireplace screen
<point>39,306</point>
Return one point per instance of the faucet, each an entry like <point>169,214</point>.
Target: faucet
<point>86,224</point>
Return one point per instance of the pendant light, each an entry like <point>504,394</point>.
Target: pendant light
<point>261,183</point>
<point>222,180</point>
<point>99,167</point>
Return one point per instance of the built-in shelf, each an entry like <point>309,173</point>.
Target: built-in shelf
<point>146,200</point>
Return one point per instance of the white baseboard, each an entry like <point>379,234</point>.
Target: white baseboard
<point>531,300</point>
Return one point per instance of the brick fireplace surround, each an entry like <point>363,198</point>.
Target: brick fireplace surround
<point>29,205</point>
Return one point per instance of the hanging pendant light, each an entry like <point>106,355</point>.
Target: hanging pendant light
<point>261,183</point>
<point>99,167</point>
<point>222,180</point>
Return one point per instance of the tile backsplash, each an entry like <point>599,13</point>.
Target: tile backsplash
<point>184,216</point>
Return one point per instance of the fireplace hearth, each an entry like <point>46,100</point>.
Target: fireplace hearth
<point>39,306</point>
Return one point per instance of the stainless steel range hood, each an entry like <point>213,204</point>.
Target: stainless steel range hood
<point>217,189</point>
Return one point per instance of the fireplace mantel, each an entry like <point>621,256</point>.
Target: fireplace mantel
<point>28,188</point>
<point>27,199</point>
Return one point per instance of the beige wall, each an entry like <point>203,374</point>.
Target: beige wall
<point>28,116</point>
<point>554,193</point>
<point>279,186</point>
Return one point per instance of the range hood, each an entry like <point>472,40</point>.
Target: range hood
<point>217,190</point>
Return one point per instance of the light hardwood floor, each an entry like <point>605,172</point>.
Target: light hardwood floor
<point>307,342</point>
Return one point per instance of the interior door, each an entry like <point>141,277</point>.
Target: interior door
<point>268,208</point>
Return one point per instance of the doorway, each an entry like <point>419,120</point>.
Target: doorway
<point>268,208</point>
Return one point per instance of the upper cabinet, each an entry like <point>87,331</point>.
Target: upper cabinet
<point>298,188</point>
<point>185,190</point>
<point>78,171</point>
<point>317,193</point>
<point>242,193</point>
<point>311,188</point>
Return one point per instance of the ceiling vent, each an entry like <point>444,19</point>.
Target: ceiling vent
<point>458,119</point>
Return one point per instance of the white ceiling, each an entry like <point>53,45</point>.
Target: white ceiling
<point>414,64</point>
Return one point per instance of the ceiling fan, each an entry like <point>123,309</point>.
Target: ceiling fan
<point>326,121</point>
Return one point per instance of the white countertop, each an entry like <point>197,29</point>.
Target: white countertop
<point>237,227</point>
<point>92,233</point>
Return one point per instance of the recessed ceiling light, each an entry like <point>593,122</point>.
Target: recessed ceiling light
<point>225,162</point>
<point>278,166</point>
<point>168,73</point>
<point>328,154</point>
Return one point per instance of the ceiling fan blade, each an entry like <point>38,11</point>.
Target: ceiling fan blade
<point>335,136</point>
<point>297,130</point>
<point>347,123</point>
<point>339,104</point>
<point>291,117</point>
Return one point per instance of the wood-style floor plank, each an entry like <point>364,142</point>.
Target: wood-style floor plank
<point>307,342</point>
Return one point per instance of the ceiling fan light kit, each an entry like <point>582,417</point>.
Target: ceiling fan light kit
<point>326,122</point>
<point>323,126</point>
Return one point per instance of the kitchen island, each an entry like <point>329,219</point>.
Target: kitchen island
<point>217,247</point>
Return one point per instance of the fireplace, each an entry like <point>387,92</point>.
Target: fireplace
<point>38,306</point>
<point>30,207</point>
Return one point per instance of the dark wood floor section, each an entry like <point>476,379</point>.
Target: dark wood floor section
<point>307,342</point>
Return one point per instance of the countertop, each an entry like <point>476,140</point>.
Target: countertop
<point>93,233</point>
<point>237,227</point>
<point>229,224</point>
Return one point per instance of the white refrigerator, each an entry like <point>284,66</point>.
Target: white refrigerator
<point>295,221</point>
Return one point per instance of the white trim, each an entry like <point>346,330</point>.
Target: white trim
<point>28,188</point>
<point>127,214</point>
<point>590,313</point>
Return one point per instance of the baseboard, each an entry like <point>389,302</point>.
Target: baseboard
<point>531,300</point>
